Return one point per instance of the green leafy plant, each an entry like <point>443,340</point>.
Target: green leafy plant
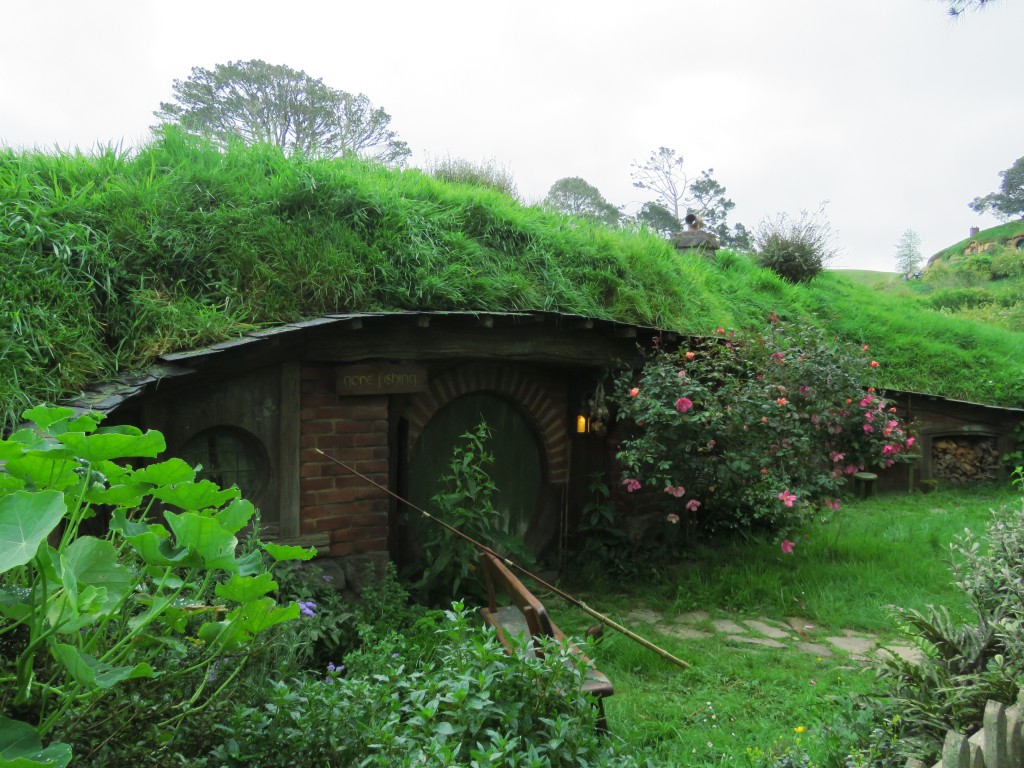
<point>1014,460</point>
<point>466,504</point>
<point>327,628</point>
<point>82,614</point>
<point>467,704</point>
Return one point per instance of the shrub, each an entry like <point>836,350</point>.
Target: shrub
<point>964,664</point>
<point>759,429</point>
<point>796,249</point>
<point>956,299</point>
<point>1007,262</point>
<point>468,704</point>
<point>487,174</point>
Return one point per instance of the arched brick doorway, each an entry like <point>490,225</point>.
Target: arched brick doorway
<point>527,414</point>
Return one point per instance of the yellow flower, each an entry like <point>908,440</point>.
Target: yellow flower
<point>799,729</point>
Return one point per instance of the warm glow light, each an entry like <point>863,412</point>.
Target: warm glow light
<point>582,424</point>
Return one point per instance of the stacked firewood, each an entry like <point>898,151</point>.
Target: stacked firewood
<point>962,461</point>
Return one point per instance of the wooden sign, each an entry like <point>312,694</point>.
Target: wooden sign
<point>379,379</point>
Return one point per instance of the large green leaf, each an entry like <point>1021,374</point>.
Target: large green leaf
<point>289,552</point>
<point>72,609</point>
<point>241,625</point>
<point>236,515</point>
<point>14,603</point>
<point>159,550</point>
<point>242,589</point>
<point>204,536</point>
<point>191,497</point>
<point>115,443</point>
<point>129,496</point>
<point>10,450</point>
<point>45,470</point>
<point>86,669</point>
<point>20,747</point>
<point>93,562</point>
<point>164,473</point>
<point>43,416</point>
<point>119,522</point>
<point>251,564</point>
<point>26,519</point>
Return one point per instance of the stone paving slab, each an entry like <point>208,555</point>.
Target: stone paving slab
<point>857,646</point>
<point>693,617</point>
<point>793,632</point>
<point>905,652</point>
<point>728,627</point>
<point>768,630</point>
<point>644,615</point>
<point>816,648</point>
<point>683,633</point>
<point>765,642</point>
<point>799,624</point>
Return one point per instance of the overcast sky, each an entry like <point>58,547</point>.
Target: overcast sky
<point>892,112</point>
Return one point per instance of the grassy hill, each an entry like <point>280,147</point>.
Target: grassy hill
<point>110,260</point>
<point>986,286</point>
<point>998,235</point>
<point>868,277</point>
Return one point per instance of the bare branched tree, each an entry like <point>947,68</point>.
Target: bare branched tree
<point>663,175</point>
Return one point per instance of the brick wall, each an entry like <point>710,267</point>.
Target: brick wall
<point>354,430</point>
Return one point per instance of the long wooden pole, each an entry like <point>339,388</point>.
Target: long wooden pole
<point>484,548</point>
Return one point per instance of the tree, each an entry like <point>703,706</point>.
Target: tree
<point>261,103</point>
<point>956,7</point>
<point>659,218</point>
<point>908,252</point>
<point>663,175</point>
<point>1009,201</point>
<point>739,238</point>
<point>574,196</point>
<point>677,196</point>
<point>707,199</point>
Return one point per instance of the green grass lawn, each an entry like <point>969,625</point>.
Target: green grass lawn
<point>890,550</point>
<point>868,277</point>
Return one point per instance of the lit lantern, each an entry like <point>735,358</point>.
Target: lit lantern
<point>582,424</point>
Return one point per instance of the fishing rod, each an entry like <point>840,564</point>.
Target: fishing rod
<point>484,548</point>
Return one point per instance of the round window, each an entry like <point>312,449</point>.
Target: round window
<point>228,456</point>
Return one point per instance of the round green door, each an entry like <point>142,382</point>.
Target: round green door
<point>517,470</point>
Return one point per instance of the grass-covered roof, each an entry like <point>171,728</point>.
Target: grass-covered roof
<point>111,259</point>
<point>997,234</point>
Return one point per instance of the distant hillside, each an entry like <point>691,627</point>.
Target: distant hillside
<point>111,260</point>
<point>1010,234</point>
<point>870,278</point>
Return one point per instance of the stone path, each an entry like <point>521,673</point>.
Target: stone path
<point>794,633</point>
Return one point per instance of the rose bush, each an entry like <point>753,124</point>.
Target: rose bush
<point>759,428</point>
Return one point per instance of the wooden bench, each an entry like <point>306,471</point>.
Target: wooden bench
<point>527,617</point>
